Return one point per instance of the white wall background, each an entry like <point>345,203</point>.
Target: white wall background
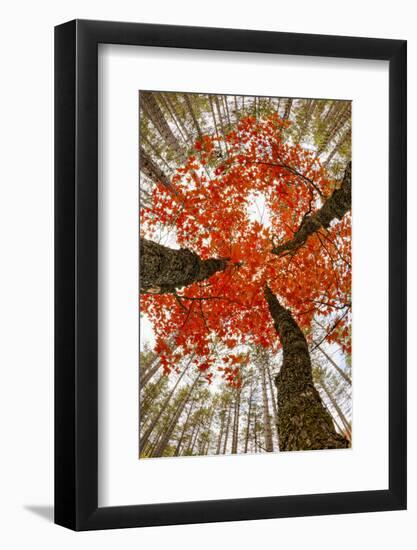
<point>26,285</point>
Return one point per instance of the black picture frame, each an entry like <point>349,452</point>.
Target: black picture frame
<point>76,272</point>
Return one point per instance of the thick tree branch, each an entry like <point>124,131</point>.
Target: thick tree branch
<point>335,207</point>
<point>163,269</point>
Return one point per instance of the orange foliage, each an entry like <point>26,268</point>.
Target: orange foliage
<point>210,214</point>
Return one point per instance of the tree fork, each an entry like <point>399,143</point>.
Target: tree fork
<point>303,422</point>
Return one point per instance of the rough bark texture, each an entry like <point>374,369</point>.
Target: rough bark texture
<point>334,207</point>
<point>303,422</point>
<point>164,269</point>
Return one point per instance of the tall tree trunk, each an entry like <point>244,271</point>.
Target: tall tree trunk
<point>171,111</point>
<point>266,416</point>
<point>164,269</point>
<point>173,423</point>
<point>249,418</point>
<point>303,422</point>
<point>274,402</point>
<point>195,438</point>
<point>227,430</point>
<point>147,399</point>
<point>190,441</point>
<point>220,438</point>
<point>149,373</point>
<point>216,99</point>
<point>226,108</point>
<point>151,109</point>
<point>287,111</point>
<point>145,437</point>
<point>309,110</point>
<point>342,140</point>
<point>152,170</point>
<point>164,441</point>
<point>235,437</point>
<point>207,445</point>
<point>339,429</point>
<point>195,121</point>
<point>336,407</point>
<point>214,120</point>
<point>184,429</point>
<point>345,377</point>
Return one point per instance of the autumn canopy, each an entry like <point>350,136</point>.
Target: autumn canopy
<point>260,247</point>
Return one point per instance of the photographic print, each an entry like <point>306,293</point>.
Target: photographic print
<point>245,274</point>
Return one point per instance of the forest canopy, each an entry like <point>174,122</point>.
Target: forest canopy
<point>245,274</point>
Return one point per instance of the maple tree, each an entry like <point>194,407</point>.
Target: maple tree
<point>237,283</point>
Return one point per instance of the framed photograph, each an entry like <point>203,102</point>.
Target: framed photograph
<point>230,253</point>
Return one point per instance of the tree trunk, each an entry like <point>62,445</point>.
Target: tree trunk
<point>266,416</point>
<point>336,407</point>
<point>173,423</point>
<point>274,403</point>
<point>186,424</point>
<point>236,423</point>
<point>190,108</point>
<point>207,444</point>
<point>147,399</point>
<point>152,170</point>
<point>151,108</point>
<point>145,437</point>
<point>149,373</point>
<point>164,269</point>
<point>345,377</point>
<point>303,422</point>
<point>220,438</point>
<point>216,99</point>
<point>249,418</point>
<point>287,109</point>
<point>195,438</point>
<point>227,430</point>
<point>190,441</point>
<point>255,432</point>
<point>163,443</point>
